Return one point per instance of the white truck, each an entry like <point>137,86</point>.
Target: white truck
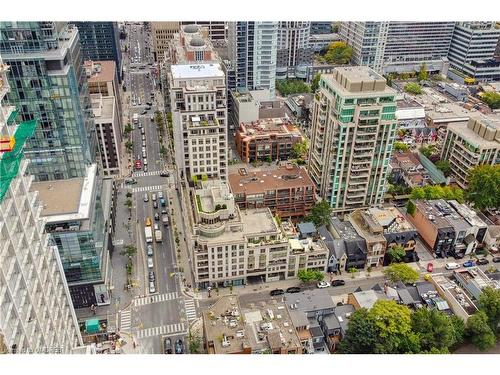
<point>158,235</point>
<point>135,118</point>
<point>149,234</point>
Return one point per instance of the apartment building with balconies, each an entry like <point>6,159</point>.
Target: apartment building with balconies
<point>36,313</point>
<point>268,139</point>
<point>233,246</point>
<point>471,143</point>
<point>287,190</point>
<point>353,131</point>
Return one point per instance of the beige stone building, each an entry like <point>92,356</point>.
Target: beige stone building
<point>163,32</point>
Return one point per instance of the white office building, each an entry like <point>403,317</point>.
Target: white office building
<point>36,312</point>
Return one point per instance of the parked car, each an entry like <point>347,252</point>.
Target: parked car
<point>482,261</point>
<point>164,174</point>
<point>323,284</point>
<point>144,112</point>
<point>452,266</point>
<point>469,263</point>
<point>150,262</point>
<point>157,216</point>
<point>179,347</point>
<point>152,288</point>
<point>167,346</point>
<point>430,267</point>
<point>130,181</point>
<point>151,275</point>
<point>164,212</point>
<point>496,259</point>
<point>338,282</point>
<point>293,289</point>
<point>276,292</point>
<point>150,250</point>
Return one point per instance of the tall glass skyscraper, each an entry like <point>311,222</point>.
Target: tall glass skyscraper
<point>48,84</point>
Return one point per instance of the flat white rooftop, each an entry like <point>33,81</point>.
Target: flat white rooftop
<point>197,71</point>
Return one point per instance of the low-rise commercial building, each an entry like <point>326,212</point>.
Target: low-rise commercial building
<point>267,140</point>
<point>233,247</point>
<point>406,168</point>
<point>349,248</point>
<point>410,114</point>
<point>287,190</point>
<point>265,327</point>
<point>318,42</point>
<point>469,144</point>
<point>250,106</point>
<point>473,280</point>
<point>301,106</point>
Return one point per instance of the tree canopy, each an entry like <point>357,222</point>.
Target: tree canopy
<point>361,336</point>
<point>310,275</point>
<point>320,213</point>
<point>400,146</point>
<point>396,253</point>
<point>480,332</point>
<point>292,86</point>
<point>444,166</point>
<point>300,149</point>
<point>438,192</point>
<point>401,272</point>
<point>492,99</point>
<point>413,88</point>
<point>423,74</point>
<point>338,53</point>
<point>489,303</point>
<point>315,82</point>
<point>484,186</point>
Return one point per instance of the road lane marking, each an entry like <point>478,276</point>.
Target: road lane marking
<point>165,330</point>
<point>190,308</point>
<point>125,320</point>
<point>156,298</point>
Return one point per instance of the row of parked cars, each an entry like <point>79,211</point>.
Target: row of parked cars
<point>296,289</point>
<point>168,348</point>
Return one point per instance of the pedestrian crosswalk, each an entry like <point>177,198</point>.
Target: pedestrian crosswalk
<point>146,174</point>
<point>148,188</point>
<point>155,298</point>
<point>125,320</point>
<point>166,330</point>
<point>190,308</point>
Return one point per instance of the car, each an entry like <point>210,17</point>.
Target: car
<point>149,103</point>
<point>150,262</point>
<point>155,204</point>
<point>469,263</point>
<point>143,143</point>
<point>144,112</point>
<point>482,261</point>
<point>323,284</point>
<point>293,289</point>
<point>145,168</point>
<point>338,283</point>
<point>430,267</point>
<point>153,197</point>
<point>150,250</point>
<point>179,347</point>
<point>146,198</point>
<point>152,288</point>
<point>276,292</point>
<point>151,275</point>
<point>160,194</point>
<point>156,226</point>
<point>458,256</point>
<point>496,259</point>
<point>164,212</point>
<point>157,216</point>
<point>164,174</point>
<point>452,266</point>
<point>167,346</point>
<point>130,181</point>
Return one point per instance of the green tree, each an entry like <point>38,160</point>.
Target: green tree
<point>129,194</point>
<point>129,145</point>
<point>401,272</point>
<point>400,146</point>
<point>484,186</point>
<point>492,99</point>
<point>393,324</point>
<point>444,166</point>
<point>434,328</point>
<point>413,88</point>
<point>128,129</point>
<point>428,151</point>
<point>300,149</point>
<point>130,250</point>
<point>423,74</point>
<point>458,330</point>
<point>305,275</point>
<point>338,53</point>
<point>315,82</point>
<point>194,342</point>
<point>489,303</point>
<point>128,204</point>
<point>362,335</point>
<point>480,332</point>
<point>292,86</point>
<point>396,253</point>
<point>411,208</point>
<point>320,213</point>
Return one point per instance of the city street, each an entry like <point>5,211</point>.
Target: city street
<point>163,311</point>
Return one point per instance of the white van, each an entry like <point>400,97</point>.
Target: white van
<point>145,162</point>
<point>452,266</point>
